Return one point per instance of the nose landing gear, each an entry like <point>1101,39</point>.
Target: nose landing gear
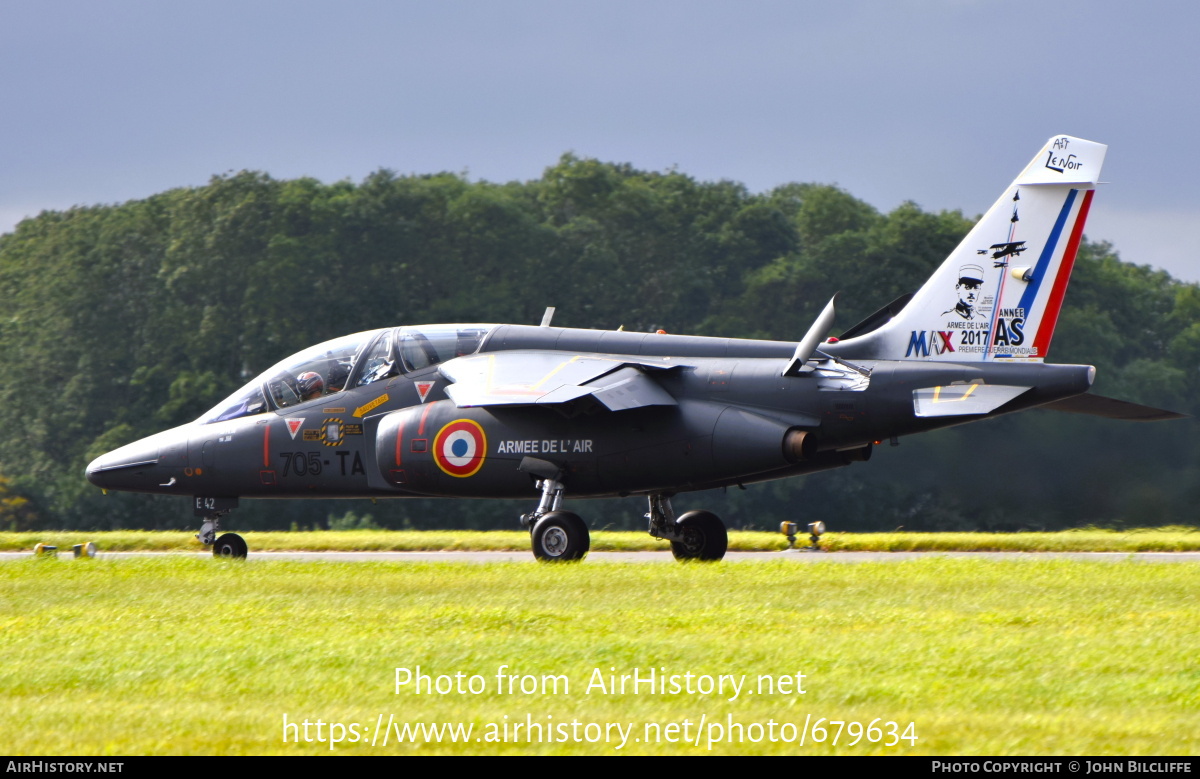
<point>228,545</point>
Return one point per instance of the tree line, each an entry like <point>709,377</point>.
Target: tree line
<point>122,320</point>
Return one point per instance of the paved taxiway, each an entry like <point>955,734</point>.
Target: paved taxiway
<point>660,557</point>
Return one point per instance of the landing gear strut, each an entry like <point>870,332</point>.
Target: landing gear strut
<point>558,536</point>
<point>697,535</point>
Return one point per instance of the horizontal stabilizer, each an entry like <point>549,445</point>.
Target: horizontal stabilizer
<point>1111,408</point>
<point>549,378</point>
<point>963,399</point>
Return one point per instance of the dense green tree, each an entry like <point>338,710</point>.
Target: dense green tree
<point>122,320</point>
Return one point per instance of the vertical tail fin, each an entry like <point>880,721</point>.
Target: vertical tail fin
<point>998,295</point>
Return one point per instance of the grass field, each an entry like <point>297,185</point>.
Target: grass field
<point>1166,539</point>
<point>191,655</point>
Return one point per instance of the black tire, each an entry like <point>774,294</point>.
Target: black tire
<point>560,536</point>
<point>704,537</point>
<point>231,546</point>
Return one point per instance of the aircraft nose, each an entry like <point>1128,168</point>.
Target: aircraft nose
<point>147,465</point>
<point>123,468</point>
<point>94,470</point>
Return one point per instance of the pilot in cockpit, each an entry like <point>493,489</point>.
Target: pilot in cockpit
<point>310,385</point>
<point>338,373</point>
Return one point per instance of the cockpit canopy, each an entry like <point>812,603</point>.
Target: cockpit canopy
<point>348,362</point>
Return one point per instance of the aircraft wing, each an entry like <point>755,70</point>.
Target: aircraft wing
<point>551,378</point>
<point>1111,408</point>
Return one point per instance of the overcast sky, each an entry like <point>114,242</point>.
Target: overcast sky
<point>937,101</point>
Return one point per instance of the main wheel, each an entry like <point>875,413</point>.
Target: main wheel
<point>230,545</point>
<point>560,536</point>
<point>704,537</point>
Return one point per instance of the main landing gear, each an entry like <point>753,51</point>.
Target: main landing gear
<point>228,545</point>
<point>558,536</point>
<point>561,536</point>
<point>697,535</point>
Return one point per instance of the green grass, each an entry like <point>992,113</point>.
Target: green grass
<point>1166,539</point>
<point>192,655</point>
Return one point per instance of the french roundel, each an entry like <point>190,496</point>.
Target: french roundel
<point>459,448</point>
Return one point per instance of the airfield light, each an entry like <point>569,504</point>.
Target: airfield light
<point>815,529</point>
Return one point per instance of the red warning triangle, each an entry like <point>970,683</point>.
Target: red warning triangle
<point>293,425</point>
<point>423,388</point>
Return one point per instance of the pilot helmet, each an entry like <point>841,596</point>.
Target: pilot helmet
<point>311,385</point>
<point>338,374</point>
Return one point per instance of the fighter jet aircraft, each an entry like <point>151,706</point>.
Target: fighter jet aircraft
<point>505,411</point>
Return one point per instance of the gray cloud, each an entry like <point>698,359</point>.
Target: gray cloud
<point>940,102</point>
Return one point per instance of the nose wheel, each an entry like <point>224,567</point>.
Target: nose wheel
<point>230,545</point>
